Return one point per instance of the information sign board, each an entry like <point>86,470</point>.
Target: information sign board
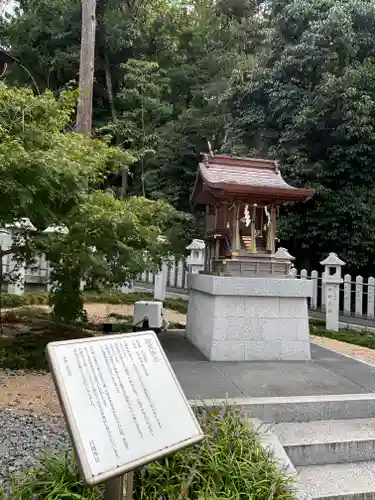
<point>122,402</point>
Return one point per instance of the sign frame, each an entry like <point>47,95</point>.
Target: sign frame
<point>72,426</point>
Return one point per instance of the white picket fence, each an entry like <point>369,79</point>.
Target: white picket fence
<point>356,298</point>
<point>357,295</point>
<point>176,275</point>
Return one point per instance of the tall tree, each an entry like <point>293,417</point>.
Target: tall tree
<point>310,102</point>
<point>46,174</point>
<point>86,67</point>
<point>196,45</point>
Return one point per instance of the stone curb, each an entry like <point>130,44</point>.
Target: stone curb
<point>269,442</point>
<point>301,408</point>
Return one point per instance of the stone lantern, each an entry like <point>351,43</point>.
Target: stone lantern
<point>284,259</point>
<point>195,261</point>
<point>331,283</point>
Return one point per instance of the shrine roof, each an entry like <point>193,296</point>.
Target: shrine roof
<point>221,175</point>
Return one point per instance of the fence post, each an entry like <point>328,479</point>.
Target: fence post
<point>358,296</point>
<point>314,297</point>
<point>293,272</point>
<point>172,273</point>
<point>129,288</point>
<point>304,274</point>
<point>332,279</point>
<point>180,274</point>
<point>370,298</point>
<point>324,292</point>
<point>160,287</point>
<point>347,295</point>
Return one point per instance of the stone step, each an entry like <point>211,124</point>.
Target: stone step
<point>351,481</point>
<point>328,441</point>
<point>305,408</point>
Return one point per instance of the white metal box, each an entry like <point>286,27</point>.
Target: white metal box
<point>152,310</point>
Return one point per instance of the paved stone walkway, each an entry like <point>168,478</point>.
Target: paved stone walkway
<point>361,353</point>
<point>327,373</point>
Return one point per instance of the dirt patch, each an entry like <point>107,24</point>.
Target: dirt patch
<point>33,391</point>
<point>26,391</point>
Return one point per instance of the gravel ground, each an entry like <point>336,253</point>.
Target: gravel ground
<point>24,436</point>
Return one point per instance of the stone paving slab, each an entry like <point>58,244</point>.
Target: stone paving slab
<point>358,372</point>
<point>326,374</point>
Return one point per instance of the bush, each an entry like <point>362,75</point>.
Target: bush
<point>36,298</point>
<point>26,351</point>
<point>115,297</point>
<point>229,464</point>
<point>9,300</point>
<point>364,338</point>
<point>57,479</point>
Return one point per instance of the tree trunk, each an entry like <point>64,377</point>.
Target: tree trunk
<point>86,67</point>
<point>108,81</point>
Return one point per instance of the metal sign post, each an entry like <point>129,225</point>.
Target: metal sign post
<point>114,489</point>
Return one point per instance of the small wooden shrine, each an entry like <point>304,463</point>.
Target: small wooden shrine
<point>241,197</point>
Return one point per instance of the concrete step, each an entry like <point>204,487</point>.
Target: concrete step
<point>302,408</point>
<point>352,481</point>
<point>328,441</point>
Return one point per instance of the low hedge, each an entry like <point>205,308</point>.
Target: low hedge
<point>9,300</point>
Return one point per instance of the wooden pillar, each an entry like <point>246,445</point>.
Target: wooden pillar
<point>253,248</point>
<point>238,242</point>
<point>206,257</point>
<point>217,248</point>
<point>233,228</point>
<point>225,214</point>
<point>273,228</point>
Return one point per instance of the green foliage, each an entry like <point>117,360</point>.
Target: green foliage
<point>26,351</point>
<point>26,299</point>
<point>11,300</point>
<point>161,71</point>
<point>106,296</point>
<point>44,172</point>
<point>115,297</point>
<point>109,242</point>
<point>67,299</point>
<point>230,464</point>
<point>364,338</point>
<point>57,476</point>
<point>144,105</point>
<point>47,174</point>
<point>309,102</point>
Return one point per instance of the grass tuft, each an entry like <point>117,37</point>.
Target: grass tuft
<point>229,464</point>
<point>26,350</point>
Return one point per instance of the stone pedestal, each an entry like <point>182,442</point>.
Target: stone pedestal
<point>249,319</point>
